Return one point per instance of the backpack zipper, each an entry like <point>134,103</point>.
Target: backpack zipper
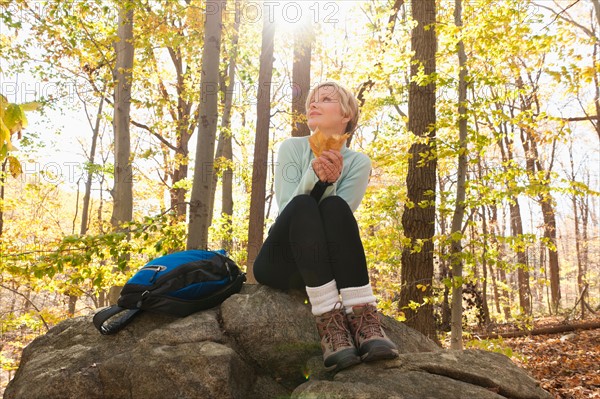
<point>156,268</point>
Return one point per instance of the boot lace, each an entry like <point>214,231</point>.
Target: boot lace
<point>335,328</point>
<point>368,325</point>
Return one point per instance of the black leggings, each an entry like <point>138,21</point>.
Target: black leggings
<point>311,244</point>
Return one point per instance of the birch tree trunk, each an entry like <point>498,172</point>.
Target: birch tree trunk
<point>200,216</point>
<point>261,145</point>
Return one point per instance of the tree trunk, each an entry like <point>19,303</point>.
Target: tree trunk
<point>505,296</point>
<point>590,325</point>
<point>85,210</point>
<point>261,145</point>
<point>495,289</point>
<point>227,193</point>
<point>224,147</point>
<point>90,175</point>
<point>459,208</point>
<point>545,268</point>
<point>185,130</point>
<point>484,255</point>
<point>516,225</point>
<point>419,221</point>
<point>303,38</point>
<point>179,173</point>
<point>445,276</point>
<point>550,236</point>
<point>535,168</point>
<point>596,66</point>
<point>185,123</point>
<point>200,217</point>
<point>122,192</point>
<point>578,247</point>
<point>585,216</point>
<point>505,143</point>
<point>2,182</point>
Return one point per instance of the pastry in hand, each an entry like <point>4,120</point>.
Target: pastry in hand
<point>319,142</point>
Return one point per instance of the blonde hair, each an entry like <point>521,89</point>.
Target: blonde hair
<point>348,103</point>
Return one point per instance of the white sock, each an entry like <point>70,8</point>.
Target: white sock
<point>353,296</point>
<point>323,298</point>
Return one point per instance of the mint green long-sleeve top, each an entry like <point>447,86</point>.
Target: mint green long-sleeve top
<point>294,174</point>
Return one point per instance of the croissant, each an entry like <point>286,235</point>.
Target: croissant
<point>319,142</point>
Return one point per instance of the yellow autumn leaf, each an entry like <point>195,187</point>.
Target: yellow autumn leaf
<point>401,316</point>
<point>3,103</point>
<point>9,146</point>
<point>422,287</point>
<point>32,106</point>
<point>4,132</point>
<point>14,166</point>
<point>14,118</point>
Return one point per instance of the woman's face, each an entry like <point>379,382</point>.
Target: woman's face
<point>325,111</point>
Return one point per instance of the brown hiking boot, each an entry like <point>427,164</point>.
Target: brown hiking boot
<point>369,336</point>
<point>338,348</point>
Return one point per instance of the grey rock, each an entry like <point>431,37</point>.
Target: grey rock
<point>261,343</point>
<point>434,375</point>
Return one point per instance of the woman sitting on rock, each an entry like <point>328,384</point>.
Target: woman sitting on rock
<point>315,242</point>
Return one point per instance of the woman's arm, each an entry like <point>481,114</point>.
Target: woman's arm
<point>353,186</point>
<point>290,179</point>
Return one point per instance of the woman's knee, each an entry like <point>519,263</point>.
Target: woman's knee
<point>334,205</point>
<point>265,274</point>
<point>302,205</point>
<point>303,200</point>
<point>259,271</point>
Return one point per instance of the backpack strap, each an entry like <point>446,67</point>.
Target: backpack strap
<point>116,325</point>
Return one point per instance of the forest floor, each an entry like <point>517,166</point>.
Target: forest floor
<point>566,364</point>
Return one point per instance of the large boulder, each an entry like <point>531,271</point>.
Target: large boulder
<point>260,343</point>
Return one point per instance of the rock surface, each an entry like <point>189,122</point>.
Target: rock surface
<point>261,343</point>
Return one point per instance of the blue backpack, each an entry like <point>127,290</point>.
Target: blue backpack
<point>178,284</point>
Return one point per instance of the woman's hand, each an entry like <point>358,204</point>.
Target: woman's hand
<point>328,167</point>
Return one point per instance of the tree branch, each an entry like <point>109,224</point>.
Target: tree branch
<point>580,118</point>
<point>30,302</point>
<point>569,19</point>
<point>158,136</point>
